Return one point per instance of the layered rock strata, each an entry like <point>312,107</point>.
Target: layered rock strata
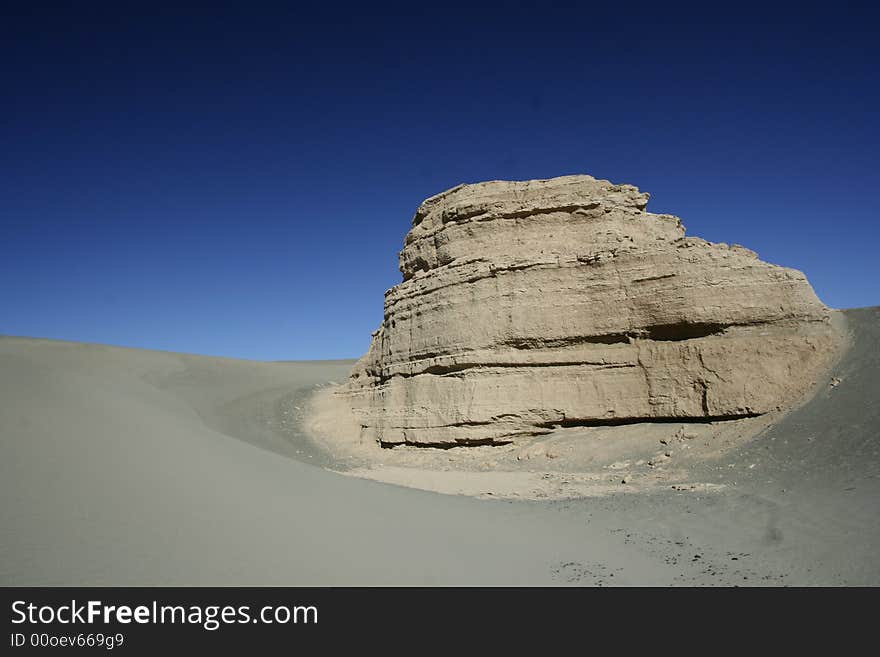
<point>530,305</point>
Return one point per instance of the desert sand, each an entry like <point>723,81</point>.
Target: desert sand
<point>131,467</point>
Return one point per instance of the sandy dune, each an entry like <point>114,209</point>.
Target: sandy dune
<point>131,467</point>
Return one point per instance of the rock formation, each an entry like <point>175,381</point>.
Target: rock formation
<point>562,302</point>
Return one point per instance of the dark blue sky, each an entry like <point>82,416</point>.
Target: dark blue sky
<point>238,180</point>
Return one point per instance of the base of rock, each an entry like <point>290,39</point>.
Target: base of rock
<point>563,461</point>
<point>739,373</point>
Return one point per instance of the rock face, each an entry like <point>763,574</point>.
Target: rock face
<point>528,305</point>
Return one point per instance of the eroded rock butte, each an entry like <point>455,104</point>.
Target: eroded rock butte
<point>530,305</point>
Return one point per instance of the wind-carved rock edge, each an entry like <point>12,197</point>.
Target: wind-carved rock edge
<point>544,304</point>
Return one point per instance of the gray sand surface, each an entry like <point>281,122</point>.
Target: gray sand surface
<point>131,467</point>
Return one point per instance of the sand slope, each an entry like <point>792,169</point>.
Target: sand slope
<point>124,467</point>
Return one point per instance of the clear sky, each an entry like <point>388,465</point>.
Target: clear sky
<point>237,179</point>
